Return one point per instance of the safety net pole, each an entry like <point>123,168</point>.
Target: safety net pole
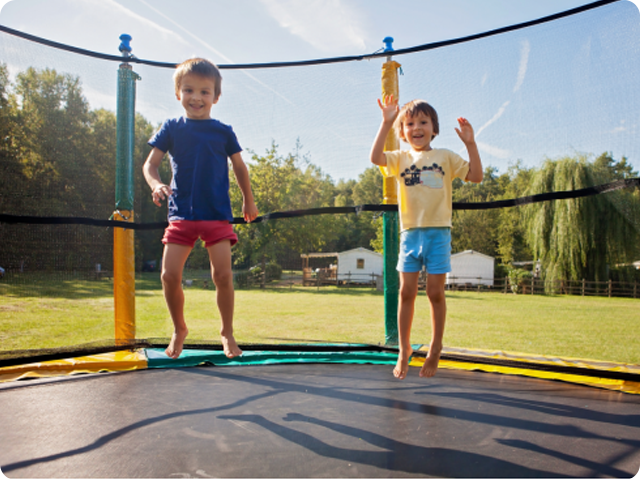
<point>390,219</point>
<point>123,238</point>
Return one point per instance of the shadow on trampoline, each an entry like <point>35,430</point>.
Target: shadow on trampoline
<point>311,420</point>
<point>105,439</point>
<point>392,455</point>
<point>553,409</point>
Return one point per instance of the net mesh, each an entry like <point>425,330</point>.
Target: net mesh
<point>567,88</point>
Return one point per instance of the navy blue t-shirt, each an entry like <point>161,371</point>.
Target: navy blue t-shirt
<point>199,152</point>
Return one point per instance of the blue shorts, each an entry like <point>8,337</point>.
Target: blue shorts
<point>429,246</point>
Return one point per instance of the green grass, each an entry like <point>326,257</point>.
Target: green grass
<point>53,313</point>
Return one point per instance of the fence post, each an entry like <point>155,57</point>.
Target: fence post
<point>583,287</point>
<point>610,287</point>
<point>635,288</point>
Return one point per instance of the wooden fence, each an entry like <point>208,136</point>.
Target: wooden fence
<point>536,286</point>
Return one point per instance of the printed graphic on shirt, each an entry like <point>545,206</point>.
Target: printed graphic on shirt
<point>432,176</point>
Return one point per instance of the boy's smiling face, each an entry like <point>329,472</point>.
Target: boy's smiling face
<point>196,95</point>
<point>418,131</point>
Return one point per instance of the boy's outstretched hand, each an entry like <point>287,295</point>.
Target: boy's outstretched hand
<point>465,132</point>
<point>389,107</point>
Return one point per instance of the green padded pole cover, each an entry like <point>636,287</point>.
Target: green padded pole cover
<point>391,280</point>
<point>125,116</point>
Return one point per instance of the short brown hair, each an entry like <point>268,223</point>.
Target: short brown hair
<point>201,67</point>
<point>411,109</point>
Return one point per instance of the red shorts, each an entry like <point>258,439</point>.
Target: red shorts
<point>187,232</point>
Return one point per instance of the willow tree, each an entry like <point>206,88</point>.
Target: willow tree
<point>579,238</point>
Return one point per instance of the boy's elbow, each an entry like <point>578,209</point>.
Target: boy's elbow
<point>379,160</point>
<point>474,177</point>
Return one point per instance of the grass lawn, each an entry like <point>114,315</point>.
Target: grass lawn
<point>71,312</point>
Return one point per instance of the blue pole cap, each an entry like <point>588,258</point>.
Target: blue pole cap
<point>388,47</point>
<point>125,48</point>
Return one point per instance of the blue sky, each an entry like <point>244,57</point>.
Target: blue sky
<point>513,88</point>
<point>248,31</point>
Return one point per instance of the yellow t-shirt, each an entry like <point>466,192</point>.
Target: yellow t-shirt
<point>424,185</point>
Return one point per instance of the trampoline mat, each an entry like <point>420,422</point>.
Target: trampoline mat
<point>314,420</point>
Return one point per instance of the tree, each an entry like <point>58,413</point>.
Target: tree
<point>282,183</point>
<point>13,183</point>
<point>511,234</point>
<point>580,238</point>
<point>358,230</point>
<point>53,128</point>
<point>476,229</point>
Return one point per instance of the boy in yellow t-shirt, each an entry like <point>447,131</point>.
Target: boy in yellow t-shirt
<point>424,176</point>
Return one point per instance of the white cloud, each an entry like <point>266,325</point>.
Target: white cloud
<point>211,49</point>
<point>329,25</point>
<point>622,127</point>
<point>194,37</point>
<point>493,151</point>
<point>524,61</point>
<point>498,114</point>
<point>102,8</point>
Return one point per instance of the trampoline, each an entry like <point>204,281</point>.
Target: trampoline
<point>315,420</point>
<point>119,408</point>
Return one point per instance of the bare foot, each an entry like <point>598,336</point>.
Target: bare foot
<point>230,346</point>
<point>431,363</point>
<point>175,346</point>
<point>402,366</point>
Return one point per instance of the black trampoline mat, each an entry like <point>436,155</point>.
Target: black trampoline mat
<point>314,420</point>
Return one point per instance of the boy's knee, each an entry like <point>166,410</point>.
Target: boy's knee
<point>170,279</point>
<point>435,295</point>
<point>408,293</point>
<point>222,278</point>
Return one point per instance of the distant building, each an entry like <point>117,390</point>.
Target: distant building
<point>352,266</point>
<point>359,266</point>
<point>471,267</point>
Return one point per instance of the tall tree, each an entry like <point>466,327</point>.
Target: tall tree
<point>358,230</point>
<point>476,229</point>
<point>511,233</point>
<point>53,120</point>
<point>13,184</point>
<point>282,183</point>
<point>578,238</point>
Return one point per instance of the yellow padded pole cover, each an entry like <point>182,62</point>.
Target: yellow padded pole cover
<point>390,87</point>
<point>124,281</point>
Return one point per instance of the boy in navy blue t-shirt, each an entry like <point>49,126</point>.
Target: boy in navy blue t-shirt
<point>199,149</point>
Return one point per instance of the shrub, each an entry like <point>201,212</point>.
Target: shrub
<point>274,271</point>
<point>517,276</point>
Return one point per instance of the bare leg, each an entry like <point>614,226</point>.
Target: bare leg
<point>222,275</point>
<point>408,293</point>
<point>173,261</point>
<point>438,304</point>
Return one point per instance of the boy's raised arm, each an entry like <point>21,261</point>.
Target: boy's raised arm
<point>465,132</point>
<point>390,109</point>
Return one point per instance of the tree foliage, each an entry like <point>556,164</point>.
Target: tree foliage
<point>57,158</point>
<point>581,238</point>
